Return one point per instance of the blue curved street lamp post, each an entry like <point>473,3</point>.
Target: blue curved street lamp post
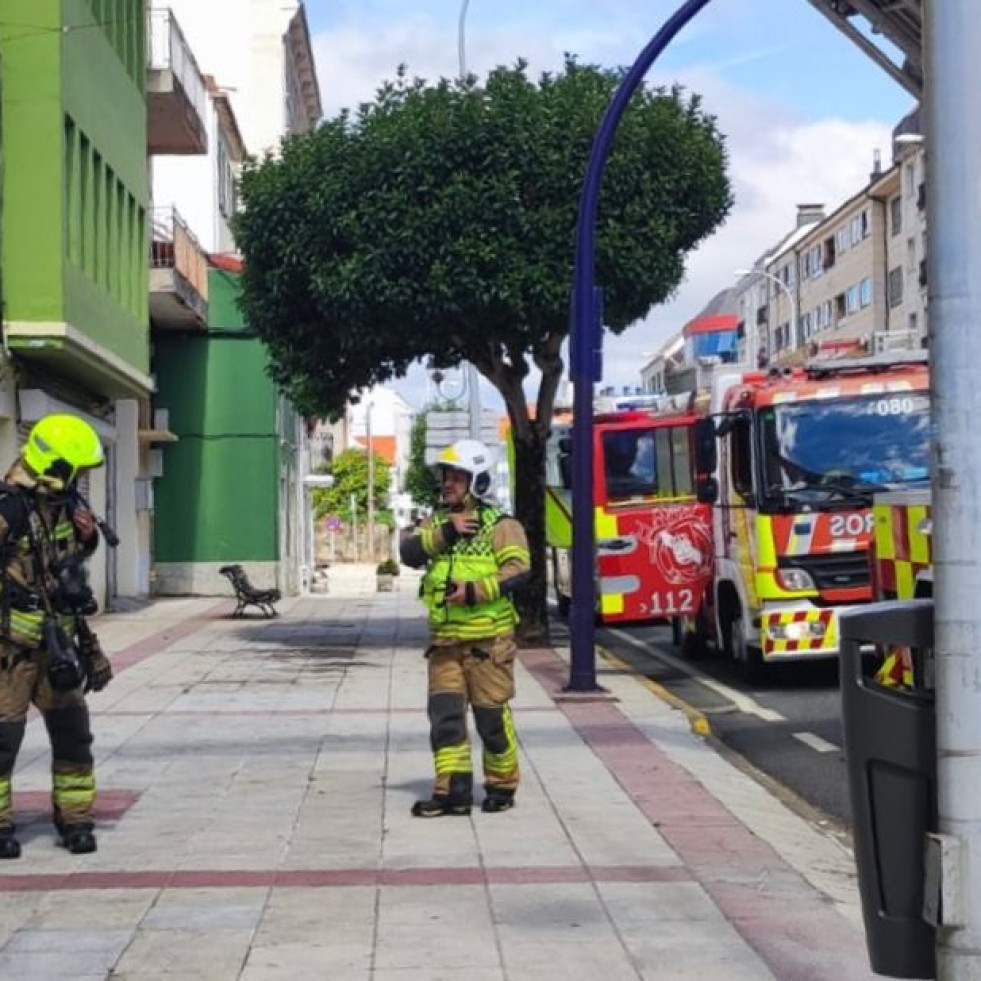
<point>585,353</point>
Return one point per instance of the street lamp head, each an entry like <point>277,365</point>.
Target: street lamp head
<point>742,272</point>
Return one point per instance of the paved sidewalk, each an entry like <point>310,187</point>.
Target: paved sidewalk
<point>255,783</point>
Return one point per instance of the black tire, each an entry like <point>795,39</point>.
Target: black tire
<point>748,660</point>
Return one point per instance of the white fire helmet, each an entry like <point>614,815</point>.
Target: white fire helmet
<point>473,458</point>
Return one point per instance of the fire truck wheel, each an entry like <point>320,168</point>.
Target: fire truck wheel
<point>688,637</point>
<point>749,660</point>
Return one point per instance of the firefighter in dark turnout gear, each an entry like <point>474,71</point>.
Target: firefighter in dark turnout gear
<point>45,535</point>
<point>476,557</point>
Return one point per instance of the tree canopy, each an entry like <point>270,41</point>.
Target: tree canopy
<point>350,472</point>
<point>438,221</point>
<point>420,480</point>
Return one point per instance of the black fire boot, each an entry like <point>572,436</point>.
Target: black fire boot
<point>79,838</point>
<point>440,805</point>
<point>9,845</point>
<point>456,803</point>
<point>497,800</point>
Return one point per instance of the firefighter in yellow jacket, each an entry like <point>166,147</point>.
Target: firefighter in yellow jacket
<point>45,535</point>
<point>476,557</point>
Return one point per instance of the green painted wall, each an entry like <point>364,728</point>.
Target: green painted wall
<point>217,500</point>
<point>75,176</point>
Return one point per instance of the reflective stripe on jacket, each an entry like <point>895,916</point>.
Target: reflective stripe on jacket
<point>468,559</point>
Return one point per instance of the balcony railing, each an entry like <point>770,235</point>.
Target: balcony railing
<point>172,58</point>
<point>174,247</point>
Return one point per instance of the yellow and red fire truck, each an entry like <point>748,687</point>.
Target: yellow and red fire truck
<point>790,460</point>
<point>653,538</point>
<point>901,558</point>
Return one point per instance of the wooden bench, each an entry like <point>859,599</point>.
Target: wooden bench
<point>247,595</point>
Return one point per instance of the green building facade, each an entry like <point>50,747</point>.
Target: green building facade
<point>74,244</point>
<point>220,497</point>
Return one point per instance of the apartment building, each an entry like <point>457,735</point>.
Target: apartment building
<point>215,395</point>
<point>74,260</point>
<point>260,53</point>
<point>755,291</point>
<point>906,246</point>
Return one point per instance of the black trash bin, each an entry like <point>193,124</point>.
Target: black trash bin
<point>890,744</point>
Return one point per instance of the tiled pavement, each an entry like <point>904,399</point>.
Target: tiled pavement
<point>255,781</point>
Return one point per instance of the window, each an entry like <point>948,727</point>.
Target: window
<point>841,240</point>
<point>912,323</point>
<point>911,255</point>
<point>227,202</point>
<point>840,306</point>
<point>852,299</point>
<point>865,292</point>
<point>896,214</point>
<point>742,458</point>
<point>73,202</point>
<point>829,252</point>
<point>910,180</point>
<point>895,286</point>
<point>648,463</point>
<point>826,314</point>
<point>860,227</point>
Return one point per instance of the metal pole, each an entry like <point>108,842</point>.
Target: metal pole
<point>371,486</point>
<point>952,51</point>
<point>472,375</point>
<point>585,346</point>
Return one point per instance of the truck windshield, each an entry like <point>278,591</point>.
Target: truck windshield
<point>859,441</point>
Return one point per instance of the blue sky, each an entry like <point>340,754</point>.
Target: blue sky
<point>803,109</point>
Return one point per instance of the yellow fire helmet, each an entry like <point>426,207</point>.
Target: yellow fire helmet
<point>59,447</point>
<point>473,458</point>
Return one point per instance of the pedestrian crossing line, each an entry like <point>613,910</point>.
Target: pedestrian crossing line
<point>816,743</point>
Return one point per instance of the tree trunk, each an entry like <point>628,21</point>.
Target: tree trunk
<point>529,506</point>
<point>529,432</point>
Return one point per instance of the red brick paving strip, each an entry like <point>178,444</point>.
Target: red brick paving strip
<point>783,918</point>
<point>336,878</point>
<point>155,643</point>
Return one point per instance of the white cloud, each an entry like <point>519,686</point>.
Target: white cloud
<point>776,159</point>
<point>776,162</point>
<point>352,63</point>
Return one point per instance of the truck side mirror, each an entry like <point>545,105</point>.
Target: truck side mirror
<point>706,490</point>
<point>706,451</point>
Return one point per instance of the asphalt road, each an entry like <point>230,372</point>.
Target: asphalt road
<point>788,726</point>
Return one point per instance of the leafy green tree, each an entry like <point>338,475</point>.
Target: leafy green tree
<point>350,472</point>
<point>439,221</point>
<point>420,481</point>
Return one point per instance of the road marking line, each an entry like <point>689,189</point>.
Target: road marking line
<point>816,743</point>
<point>699,724</point>
<point>742,701</point>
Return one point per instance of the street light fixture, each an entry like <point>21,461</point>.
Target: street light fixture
<point>473,378</point>
<point>790,297</point>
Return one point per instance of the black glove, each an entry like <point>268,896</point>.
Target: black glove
<point>100,673</point>
<point>98,670</point>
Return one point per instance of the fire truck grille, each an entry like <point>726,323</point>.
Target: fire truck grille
<point>840,570</point>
